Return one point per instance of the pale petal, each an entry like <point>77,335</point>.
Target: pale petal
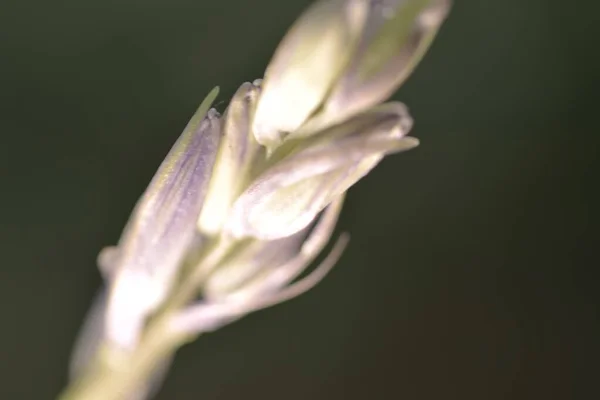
<point>305,65</point>
<point>209,316</point>
<point>398,34</point>
<point>238,151</point>
<point>271,288</point>
<point>288,196</point>
<point>250,259</point>
<point>272,280</point>
<point>319,130</point>
<point>310,281</point>
<point>162,227</point>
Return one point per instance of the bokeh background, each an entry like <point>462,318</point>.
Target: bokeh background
<point>470,273</point>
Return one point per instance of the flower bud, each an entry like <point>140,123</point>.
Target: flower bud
<point>272,280</point>
<point>262,279</point>
<point>252,259</point>
<point>397,35</point>
<point>305,65</point>
<point>237,151</point>
<point>161,227</point>
<point>289,194</point>
<point>340,58</point>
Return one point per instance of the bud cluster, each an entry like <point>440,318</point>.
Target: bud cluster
<point>245,201</point>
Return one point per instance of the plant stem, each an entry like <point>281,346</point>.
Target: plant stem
<point>116,375</point>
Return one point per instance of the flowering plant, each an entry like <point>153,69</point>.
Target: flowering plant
<point>245,201</point>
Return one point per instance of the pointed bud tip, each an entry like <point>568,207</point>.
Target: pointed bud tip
<point>305,65</point>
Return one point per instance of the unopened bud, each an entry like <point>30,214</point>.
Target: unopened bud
<point>161,227</point>
<point>238,151</point>
<point>288,196</point>
<point>306,64</point>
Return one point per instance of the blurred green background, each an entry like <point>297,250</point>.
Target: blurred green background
<point>470,273</point>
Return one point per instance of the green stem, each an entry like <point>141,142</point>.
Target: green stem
<point>115,375</point>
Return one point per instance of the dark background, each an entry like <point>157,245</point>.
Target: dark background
<point>470,273</point>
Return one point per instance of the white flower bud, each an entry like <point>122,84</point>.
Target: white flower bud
<point>340,58</point>
<point>238,151</point>
<point>397,36</point>
<point>288,196</point>
<point>305,65</point>
<point>161,228</point>
<point>246,285</point>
